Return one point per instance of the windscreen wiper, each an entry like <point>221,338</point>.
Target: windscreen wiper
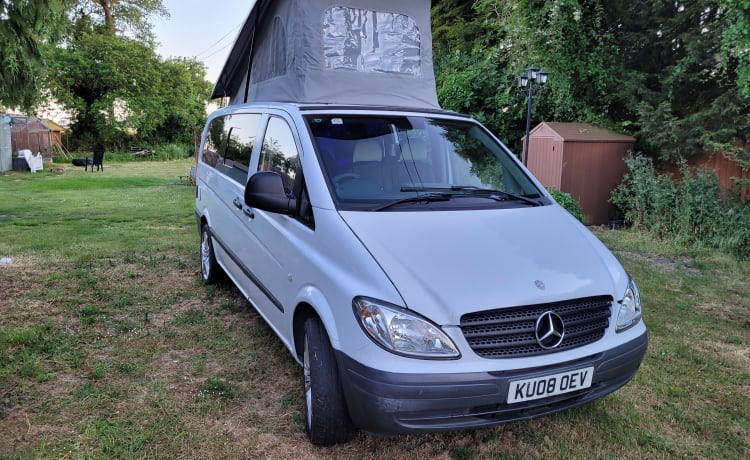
<point>472,190</point>
<point>427,198</point>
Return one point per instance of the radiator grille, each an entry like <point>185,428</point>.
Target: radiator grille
<point>509,332</point>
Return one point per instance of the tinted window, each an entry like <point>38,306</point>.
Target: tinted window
<point>374,160</point>
<point>215,141</point>
<point>230,144</point>
<point>279,152</point>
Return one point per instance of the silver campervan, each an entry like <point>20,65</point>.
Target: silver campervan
<point>420,275</point>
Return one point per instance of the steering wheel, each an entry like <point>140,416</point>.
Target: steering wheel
<point>339,180</point>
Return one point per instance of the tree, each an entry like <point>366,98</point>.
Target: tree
<point>116,86</point>
<point>573,40</point>
<point>455,26</point>
<point>126,17</point>
<point>24,27</point>
<point>674,74</point>
<point>479,59</point>
<point>105,82</point>
<point>690,92</point>
<point>736,40</point>
<point>471,68</point>
<point>183,93</point>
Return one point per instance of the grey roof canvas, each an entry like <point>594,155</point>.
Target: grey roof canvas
<point>322,51</point>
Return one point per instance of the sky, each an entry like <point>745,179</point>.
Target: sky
<point>205,30</point>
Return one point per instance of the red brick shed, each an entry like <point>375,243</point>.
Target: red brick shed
<point>581,159</point>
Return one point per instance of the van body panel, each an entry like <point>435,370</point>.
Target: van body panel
<point>400,403</point>
<point>455,262</point>
<point>438,255</point>
<point>377,358</point>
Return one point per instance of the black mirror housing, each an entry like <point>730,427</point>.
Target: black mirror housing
<point>265,190</point>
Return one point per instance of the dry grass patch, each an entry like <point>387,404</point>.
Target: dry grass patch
<point>724,310</point>
<point>727,354</point>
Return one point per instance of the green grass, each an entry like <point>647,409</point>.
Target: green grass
<point>111,347</point>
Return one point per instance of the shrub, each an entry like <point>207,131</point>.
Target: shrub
<point>172,151</point>
<point>692,211</point>
<point>645,197</point>
<point>567,201</point>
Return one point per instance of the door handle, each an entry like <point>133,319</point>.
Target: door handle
<point>249,212</point>
<point>237,202</point>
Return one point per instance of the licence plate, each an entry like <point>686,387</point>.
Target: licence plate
<point>549,385</point>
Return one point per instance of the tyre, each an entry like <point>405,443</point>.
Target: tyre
<point>209,268</point>
<point>327,420</point>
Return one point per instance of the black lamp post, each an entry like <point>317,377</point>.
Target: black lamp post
<point>531,76</point>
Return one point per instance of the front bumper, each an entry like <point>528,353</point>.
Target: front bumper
<point>390,403</point>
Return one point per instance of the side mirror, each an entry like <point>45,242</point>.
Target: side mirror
<point>265,190</point>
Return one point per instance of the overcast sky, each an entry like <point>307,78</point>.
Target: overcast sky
<point>202,29</point>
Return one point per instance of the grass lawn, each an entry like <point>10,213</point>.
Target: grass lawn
<point>111,347</point>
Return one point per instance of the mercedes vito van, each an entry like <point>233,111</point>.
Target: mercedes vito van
<point>420,275</point>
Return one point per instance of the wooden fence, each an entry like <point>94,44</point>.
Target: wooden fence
<point>727,171</point>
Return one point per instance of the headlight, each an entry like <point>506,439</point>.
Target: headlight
<point>630,308</point>
<point>402,332</point>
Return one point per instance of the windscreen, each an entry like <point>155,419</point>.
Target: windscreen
<point>371,161</point>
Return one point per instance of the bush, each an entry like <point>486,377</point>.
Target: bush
<point>567,201</point>
<point>172,151</point>
<point>646,199</point>
<point>691,211</point>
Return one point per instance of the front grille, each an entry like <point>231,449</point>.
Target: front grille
<point>509,332</point>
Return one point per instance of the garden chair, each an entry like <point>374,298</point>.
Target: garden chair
<point>96,160</point>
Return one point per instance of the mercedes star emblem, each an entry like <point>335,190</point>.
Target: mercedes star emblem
<point>550,330</point>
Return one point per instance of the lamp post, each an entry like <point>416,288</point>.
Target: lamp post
<point>531,76</point>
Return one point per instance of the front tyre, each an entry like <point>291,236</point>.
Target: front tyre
<point>327,420</point>
<point>209,268</point>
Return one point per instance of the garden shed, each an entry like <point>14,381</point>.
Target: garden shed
<point>33,134</point>
<point>583,160</point>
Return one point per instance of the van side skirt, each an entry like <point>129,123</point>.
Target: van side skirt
<point>249,274</point>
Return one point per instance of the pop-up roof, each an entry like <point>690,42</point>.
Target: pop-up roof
<point>372,52</point>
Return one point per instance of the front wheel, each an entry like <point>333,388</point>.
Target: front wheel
<point>209,268</point>
<point>327,420</point>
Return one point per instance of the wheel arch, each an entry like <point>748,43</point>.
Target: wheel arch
<point>313,305</point>
<point>203,218</point>
<point>303,311</point>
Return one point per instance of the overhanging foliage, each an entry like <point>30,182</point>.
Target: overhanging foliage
<point>673,74</point>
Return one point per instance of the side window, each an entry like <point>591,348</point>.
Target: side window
<point>230,143</point>
<point>279,152</point>
<point>215,141</point>
<point>241,131</point>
